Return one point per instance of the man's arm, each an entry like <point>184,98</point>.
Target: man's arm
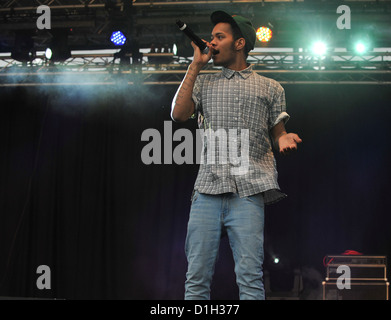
<point>284,142</point>
<point>183,105</point>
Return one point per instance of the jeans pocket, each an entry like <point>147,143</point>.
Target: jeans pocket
<point>257,199</point>
<point>194,196</point>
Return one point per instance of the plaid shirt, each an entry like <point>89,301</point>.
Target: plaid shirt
<point>240,100</point>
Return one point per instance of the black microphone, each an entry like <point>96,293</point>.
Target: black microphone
<point>200,44</point>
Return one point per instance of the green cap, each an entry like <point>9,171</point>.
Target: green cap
<point>245,26</point>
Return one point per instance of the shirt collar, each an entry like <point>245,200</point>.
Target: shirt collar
<point>245,73</point>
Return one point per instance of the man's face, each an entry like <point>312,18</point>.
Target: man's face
<point>223,45</point>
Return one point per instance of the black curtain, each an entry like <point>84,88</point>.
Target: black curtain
<point>76,196</point>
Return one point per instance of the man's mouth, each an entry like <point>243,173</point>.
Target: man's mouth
<point>215,52</point>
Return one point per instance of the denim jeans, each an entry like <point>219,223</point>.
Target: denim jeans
<point>243,221</point>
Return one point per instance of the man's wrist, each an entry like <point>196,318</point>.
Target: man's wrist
<point>196,67</point>
<point>276,140</point>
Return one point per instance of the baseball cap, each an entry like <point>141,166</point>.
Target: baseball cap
<point>245,26</point>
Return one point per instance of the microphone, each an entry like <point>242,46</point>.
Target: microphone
<point>200,44</point>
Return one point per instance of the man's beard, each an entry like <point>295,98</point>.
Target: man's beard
<point>226,63</point>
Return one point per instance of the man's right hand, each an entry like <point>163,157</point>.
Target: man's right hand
<point>200,59</point>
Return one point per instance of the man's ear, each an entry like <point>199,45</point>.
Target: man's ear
<point>240,44</point>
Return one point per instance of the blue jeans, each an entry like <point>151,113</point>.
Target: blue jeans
<point>243,220</point>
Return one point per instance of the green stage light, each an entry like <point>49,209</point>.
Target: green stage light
<point>319,48</point>
<point>360,47</point>
<point>361,41</point>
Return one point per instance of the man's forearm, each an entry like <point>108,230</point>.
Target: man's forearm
<point>276,132</point>
<point>182,105</point>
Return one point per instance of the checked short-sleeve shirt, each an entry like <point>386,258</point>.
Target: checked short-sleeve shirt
<point>233,101</point>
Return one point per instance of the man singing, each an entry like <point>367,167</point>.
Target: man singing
<point>237,98</point>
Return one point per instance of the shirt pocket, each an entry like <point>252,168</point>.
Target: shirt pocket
<point>254,113</point>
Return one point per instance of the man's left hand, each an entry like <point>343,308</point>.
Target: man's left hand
<point>288,143</point>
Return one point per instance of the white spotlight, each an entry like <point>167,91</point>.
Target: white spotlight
<point>174,49</point>
<point>48,53</point>
<point>319,48</point>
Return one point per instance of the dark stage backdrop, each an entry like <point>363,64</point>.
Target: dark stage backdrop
<point>75,195</point>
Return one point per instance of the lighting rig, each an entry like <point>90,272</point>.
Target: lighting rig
<point>297,43</point>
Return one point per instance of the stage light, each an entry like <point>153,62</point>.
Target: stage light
<point>123,56</point>
<point>276,260</point>
<point>360,47</point>
<point>174,49</point>
<point>264,34</point>
<point>58,49</point>
<point>166,53</point>
<point>319,48</point>
<point>48,53</point>
<point>361,41</point>
<point>23,49</point>
<point>118,38</point>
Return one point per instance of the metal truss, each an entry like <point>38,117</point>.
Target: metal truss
<point>26,4</point>
<point>152,20</point>
<point>23,5</point>
<point>167,69</point>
